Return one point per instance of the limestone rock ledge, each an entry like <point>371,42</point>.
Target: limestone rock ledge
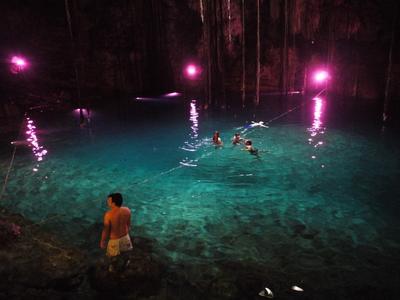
<point>37,265</point>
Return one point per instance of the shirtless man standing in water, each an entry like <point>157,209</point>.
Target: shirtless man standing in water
<point>117,222</point>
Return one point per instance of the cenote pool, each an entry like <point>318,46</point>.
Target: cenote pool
<point>318,208</point>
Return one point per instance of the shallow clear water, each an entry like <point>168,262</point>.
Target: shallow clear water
<point>322,197</point>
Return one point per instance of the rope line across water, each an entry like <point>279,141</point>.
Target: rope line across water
<point>3,189</point>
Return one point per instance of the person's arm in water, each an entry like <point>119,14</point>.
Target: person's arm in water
<point>106,231</point>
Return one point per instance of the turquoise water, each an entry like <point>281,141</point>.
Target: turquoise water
<point>320,204</point>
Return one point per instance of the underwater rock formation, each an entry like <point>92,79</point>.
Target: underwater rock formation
<point>136,273</point>
<point>35,264</point>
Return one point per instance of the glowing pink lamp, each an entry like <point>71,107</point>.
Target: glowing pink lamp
<point>18,64</point>
<point>192,71</point>
<point>321,76</point>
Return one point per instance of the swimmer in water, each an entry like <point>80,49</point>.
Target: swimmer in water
<point>236,139</point>
<point>217,139</point>
<point>248,144</point>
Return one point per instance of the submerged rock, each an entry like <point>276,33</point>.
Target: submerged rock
<point>309,234</point>
<point>136,273</point>
<point>8,232</point>
<point>35,264</point>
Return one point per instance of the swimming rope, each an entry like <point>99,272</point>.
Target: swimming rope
<point>286,112</point>
<point>209,153</point>
<point>3,189</point>
<point>170,170</point>
<point>293,109</point>
<point>8,173</point>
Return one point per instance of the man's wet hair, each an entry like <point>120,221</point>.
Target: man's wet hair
<point>116,198</point>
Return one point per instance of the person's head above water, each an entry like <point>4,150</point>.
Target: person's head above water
<point>115,198</point>
<point>216,138</point>
<point>237,134</point>
<point>248,143</point>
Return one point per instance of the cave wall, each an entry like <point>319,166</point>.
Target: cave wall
<point>127,47</point>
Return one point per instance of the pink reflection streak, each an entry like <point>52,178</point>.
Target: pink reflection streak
<point>33,141</point>
<point>193,118</point>
<point>317,113</point>
<point>317,122</point>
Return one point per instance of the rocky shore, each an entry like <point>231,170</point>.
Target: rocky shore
<point>35,264</point>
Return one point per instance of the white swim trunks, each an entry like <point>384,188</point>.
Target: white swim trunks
<point>115,247</point>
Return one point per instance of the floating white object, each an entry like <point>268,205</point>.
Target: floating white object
<point>187,164</point>
<point>20,143</point>
<point>267,293</point>
<point>258,124</point>
<point>297,288</point>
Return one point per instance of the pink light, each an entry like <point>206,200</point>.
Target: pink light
<point>173,94</point>
<point>321,76</point>
<point>18,61</point>
<point>192,71</point>
<point>77,111</point>
<point>18,64</point>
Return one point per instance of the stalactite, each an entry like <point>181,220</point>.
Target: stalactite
<point>77,80</point>
<point>311,24</point>
<point>229,22</point>
<point>120,78</point>
<point>209,57</point>
<point>356,75</point>
<point>201,11</point>
<point>297,16</point>
<point>135,29</point>
<point>274,9</point>
<point>331,37</point>
<point>67,12</point>
<point>214,51</point>
<point>390,63</point>
<point>161,50</point>
<point>220,52</point>
<point>243,55</point>
<point>293,28</point>
<point>257,99</point>
<point>284,55</point>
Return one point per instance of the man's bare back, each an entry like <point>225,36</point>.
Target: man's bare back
<point>119,220</point>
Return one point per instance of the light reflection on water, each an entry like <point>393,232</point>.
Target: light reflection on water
<point>317,130</point>
<point>33,141</point>
<point>193,144</point>
<point>193,118</point>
